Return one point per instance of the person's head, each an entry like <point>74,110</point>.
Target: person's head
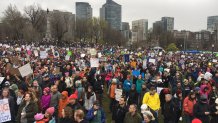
<point>49,112</point>
<point>152,91</point>
<point>179,84</point>
<point>72,99</point>
<point>179,93</point>
<point>5,93</point>
<point>54,88</point>
<point>35,83</point>
<point>20,93</point>
<point>46,91</point>
<point>64,95</point>
<point>140,77</point>
<point>132,108</point>
<point>28,97</point>
<point>148,116</point>
<point>90,89</point>
<point>168,97</point>
<point>214,88</point>
<point>144,86</point>
<point>122,101</point>
<point>192,95</point>
<point>203,98</point>
<point>96,105</point>
<point>67,112</point>
<point>79,115</point>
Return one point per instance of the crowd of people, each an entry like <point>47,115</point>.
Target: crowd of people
<point>64,87</point>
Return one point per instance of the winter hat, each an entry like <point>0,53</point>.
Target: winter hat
<point>73,96</point>
<point>166,91</point>
<point>144,107</point>
<point>64,93</point>
<point>178,92</point>
<point>50,110</point>
<point>196,121</point>
<point>38,116</point>
<point>197,88</point>
<point>47,89</point>
<point>150,114</point>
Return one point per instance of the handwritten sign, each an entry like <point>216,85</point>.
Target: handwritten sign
<point>152,61</point>
<point>93,51</point>
<point>94,62</point>
<point>25,70</point>
<point>4,111</point>
<point>118,94</point>
<point>43,54</point>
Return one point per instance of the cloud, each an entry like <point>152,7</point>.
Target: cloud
<point>188,14</point>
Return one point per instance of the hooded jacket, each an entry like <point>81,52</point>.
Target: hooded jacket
<point>63,103</point>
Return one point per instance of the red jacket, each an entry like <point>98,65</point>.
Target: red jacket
<point>188,106</point>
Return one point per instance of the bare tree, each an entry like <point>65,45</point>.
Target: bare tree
<point>13,22</point>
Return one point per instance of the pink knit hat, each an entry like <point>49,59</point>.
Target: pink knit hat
<point>38,116</point>
<point>50,110</point>
<point>196,121</point>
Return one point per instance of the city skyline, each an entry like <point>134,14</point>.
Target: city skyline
<point>188,14</point>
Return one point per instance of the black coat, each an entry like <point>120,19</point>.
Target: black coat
<point>170,111</point>
<point>199,112</point>
<point>119,113</point>
<point>214,117</point>
<point>31,110</point>
<point>66,120</point>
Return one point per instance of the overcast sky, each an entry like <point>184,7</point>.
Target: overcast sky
<point>188,14</point>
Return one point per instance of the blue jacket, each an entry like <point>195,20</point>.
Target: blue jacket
<point>127,85</point>
<point>90,115</point>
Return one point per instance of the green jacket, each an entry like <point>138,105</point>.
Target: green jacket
<point>132,119</point>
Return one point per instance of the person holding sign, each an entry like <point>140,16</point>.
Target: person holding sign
<point>28,108</point>
<point>5,95</point>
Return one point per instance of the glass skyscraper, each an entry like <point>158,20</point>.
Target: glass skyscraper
<point>111,12</point>
<point>83,10</point>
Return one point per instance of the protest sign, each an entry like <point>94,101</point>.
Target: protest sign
<point>1,79</point>
<point>67,57</point>
<point>25,70</point>
<point>82,55</point>
<point>126,58</point>
<point>99,55</point>
<point>118,94</point>
<point>36,53</point>
<point>43,54</point>
<point>144,64</point>
<point>69,53</point>
<point>94,62</point>
<point>93,51</point>
<point>4,111</point>
<point>152,61</point>
<point>214,61</point>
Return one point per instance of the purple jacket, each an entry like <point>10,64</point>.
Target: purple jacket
<point>45,101</point>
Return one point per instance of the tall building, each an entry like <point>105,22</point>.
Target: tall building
<point>125,30</point>
<point>158,27</point>
<point>111,12</point>
<point>83,10</point>
<point>211,23</point>
<point>168,24</point>
<point>139,30</point>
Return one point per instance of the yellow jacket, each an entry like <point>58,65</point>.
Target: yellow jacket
<point>152,101</point>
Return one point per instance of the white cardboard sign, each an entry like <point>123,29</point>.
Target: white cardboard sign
<point>4,111</point>
<point>25,70</point>
<point>94,62</point>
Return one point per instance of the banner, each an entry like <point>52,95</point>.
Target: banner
<point>4,111</point>
<point>94,62</point>
<point>152,61</point>
<point>25,70</point>
<point>118,94</point>
<point>93,52</point>
<point>126,58</point>
<point>43,54</point>
<point>144,64</point>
